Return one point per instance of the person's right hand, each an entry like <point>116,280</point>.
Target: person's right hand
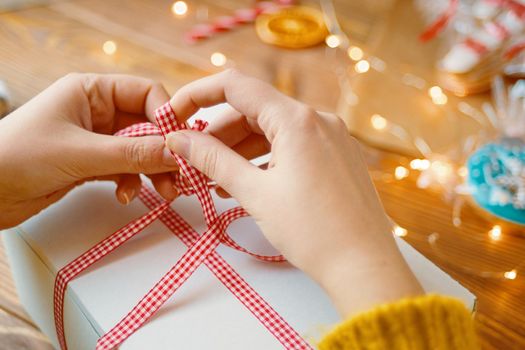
<point>315,203</point>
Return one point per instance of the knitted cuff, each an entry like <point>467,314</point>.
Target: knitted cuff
<point>425,322</point>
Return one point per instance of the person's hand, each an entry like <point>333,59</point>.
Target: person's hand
<point>61,138</point>
<point>315,203</point>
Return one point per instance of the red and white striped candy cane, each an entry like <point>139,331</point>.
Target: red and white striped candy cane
<point>239,18</point>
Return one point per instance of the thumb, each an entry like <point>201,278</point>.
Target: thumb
<point>107,155</point>
<point>216,160</point>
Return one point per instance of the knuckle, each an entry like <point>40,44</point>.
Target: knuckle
<point>155,85</point>
<point>209,162</point>
<point>338,122</point>
<point>139,155</point>
<point>353,141</point>
<point>232,72</point>
<point>245,125</point>
<point>308,119</point>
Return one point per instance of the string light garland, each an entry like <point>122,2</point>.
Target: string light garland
<point>443,171</point>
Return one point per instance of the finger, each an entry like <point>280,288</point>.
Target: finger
<point>219,162</point>
<point>164,185</point>
<point>265,108</point>
<point>128,187</point>
<point>221,192</point>
<point>136,95</point>
<point>108,93</point>
<point>231,127</point>
<point>253,146</point>
<point>100,155</point>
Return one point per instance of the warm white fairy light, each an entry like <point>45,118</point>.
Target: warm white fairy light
<point>442,170</point>
<point>333,41</point>
<point>355,53</point>
<point>495,233</point>
<point>463,171</point>
<point>437,95</point>
<point>420,164</point>
<point>109,47</point>
<point>511,275</point>
<point>400,231</point>
<point>440,100</point>
<point>362,66</point>
<point>218,59</point>
<point>179,8</point>
<point>401,172</point>
<point>435,91</point>
<point>378,122</point>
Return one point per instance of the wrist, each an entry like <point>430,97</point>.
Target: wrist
<point>358,279</point>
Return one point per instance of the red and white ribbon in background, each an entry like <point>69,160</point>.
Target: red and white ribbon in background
<point>201,250</point>
<point>494,28</point>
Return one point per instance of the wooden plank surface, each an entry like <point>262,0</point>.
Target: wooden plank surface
<point>40,44</point>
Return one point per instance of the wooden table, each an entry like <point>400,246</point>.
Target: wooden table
<point>42,42</point>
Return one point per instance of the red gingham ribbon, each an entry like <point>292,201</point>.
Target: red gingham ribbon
<point>201,250</point>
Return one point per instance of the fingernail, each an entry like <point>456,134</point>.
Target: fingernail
<point>127,196</point>
<point>177,193</point>
<point>179,143</point>
<point>168,158</point>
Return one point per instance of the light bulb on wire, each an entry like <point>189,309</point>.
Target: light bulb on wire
<point>109,47</point>
<point>218,59</point>
<point>179,8</point>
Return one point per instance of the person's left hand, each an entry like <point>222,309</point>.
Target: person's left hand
<point>62,138</point>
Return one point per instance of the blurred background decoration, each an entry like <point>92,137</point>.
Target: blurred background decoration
<point>4,99</point>
<point>429,87</point>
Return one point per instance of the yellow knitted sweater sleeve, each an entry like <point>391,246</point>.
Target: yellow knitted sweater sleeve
<point>425,322</point>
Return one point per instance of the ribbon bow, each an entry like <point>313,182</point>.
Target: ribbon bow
<point>201,250</point>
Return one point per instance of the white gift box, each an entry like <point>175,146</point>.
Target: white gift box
<point>202,314</point>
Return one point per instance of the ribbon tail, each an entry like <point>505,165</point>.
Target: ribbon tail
<point>162,291</point>
<point>239,288</point>
<point>94,254</point>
